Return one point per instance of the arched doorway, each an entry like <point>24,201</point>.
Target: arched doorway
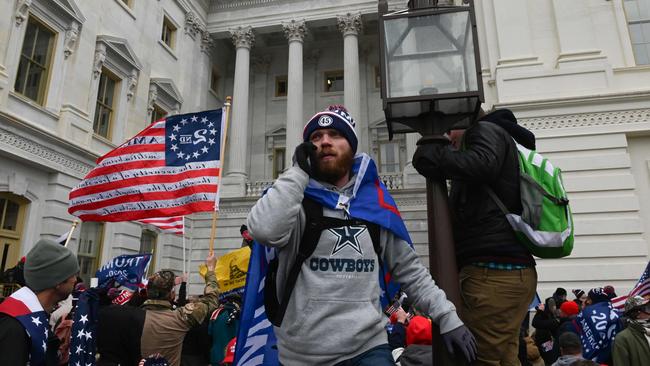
<point>12,220</point>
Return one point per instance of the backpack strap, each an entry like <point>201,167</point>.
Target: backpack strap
<point>308,242</point>
<point>315,223</point>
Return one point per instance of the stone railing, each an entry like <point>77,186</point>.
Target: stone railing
<point>255,189</point>
<point>392,180</point>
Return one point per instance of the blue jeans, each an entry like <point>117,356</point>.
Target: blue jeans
<point>378,356</point>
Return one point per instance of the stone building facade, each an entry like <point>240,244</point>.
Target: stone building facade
<point>574,72</point>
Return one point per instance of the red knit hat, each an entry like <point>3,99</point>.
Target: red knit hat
<point>419,331</point>
<point>569,308</point>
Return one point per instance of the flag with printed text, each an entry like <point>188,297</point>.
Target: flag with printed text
<point>172,225</point>
<point>171,168</point>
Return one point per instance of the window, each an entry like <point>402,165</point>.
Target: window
<point>168,32</point>
<point>157,114</point>
<point>334,81</point>
<point>90,246</point>
<point>638,17</point>
<point>105,104</point>
<point>12,213</point>
<point>281,86</point>
<point>148,245</point>
<point>214,80</point>
<point>389,157</point>
<point>278,161</point>
<point>33,68</point>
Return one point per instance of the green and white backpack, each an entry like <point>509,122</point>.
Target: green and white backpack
<point>545,226</point>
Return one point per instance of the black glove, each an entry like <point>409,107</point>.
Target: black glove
<point>304,155</point>
<point>463,339</point>
<point>426,160</point>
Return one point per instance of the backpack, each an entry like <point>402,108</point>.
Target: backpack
<point>545,225</point>
<point>315,224</point>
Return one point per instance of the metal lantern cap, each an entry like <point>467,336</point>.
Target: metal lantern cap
<point>430,69</point>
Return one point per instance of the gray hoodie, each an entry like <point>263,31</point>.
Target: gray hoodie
<point>334,313</point>
<point>567,360</point>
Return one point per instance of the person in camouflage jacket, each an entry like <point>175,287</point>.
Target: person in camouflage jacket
<point>164,328</point>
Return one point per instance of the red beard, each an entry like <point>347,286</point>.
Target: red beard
<point>332,170</point>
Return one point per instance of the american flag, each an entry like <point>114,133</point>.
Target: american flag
<point>641,288</point>
<point>169,169</point>
<point>173,225</point>
<point>83,339</point>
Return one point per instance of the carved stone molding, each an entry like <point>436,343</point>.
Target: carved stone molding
<point>586,119</point>
<point>193,25</point>
<point>71,36</point>
<point>34,148</point>
<point>295,30</point>
<point>132,84</point>
<point>164,93</point>
<point>22,11</point>
<point>242,37</point>
<point>233,4</point>
<point>349,24</point>
<point>100,57</point>
<point>153,96</point>
<point>206,42</point>
<point>261,63</point>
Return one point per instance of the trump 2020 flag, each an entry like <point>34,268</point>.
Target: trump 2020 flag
<point>83,339</point>
<point>171,168</point>
<point>256,342</point>
<point>597,327</point>
<point>127,270</point>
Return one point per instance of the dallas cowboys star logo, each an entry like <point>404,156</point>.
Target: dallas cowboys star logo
<point>347,236</point>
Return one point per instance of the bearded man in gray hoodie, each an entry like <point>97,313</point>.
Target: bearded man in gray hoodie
<point>333,313</point>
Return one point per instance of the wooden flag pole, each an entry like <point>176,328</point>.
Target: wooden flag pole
<point>222,159</point>
<point>184,268</point>
<point>74,225</point>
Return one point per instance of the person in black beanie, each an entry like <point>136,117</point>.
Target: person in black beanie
<point>493,263</point>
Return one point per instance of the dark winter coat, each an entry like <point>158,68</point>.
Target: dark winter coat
<point>488,158</point>
<point>118,335</point>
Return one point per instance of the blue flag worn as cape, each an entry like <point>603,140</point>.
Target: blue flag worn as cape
<point>370,199</point>
<point>256,342</point>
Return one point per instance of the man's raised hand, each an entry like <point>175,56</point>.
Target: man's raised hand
<point>304,157</point>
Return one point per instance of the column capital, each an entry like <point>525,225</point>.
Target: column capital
<point>206,42</point>
<point>242,37</point>
<point>295,30</point>
<point>349,24</point>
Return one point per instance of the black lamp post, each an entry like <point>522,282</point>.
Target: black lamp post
<point>431,80</point>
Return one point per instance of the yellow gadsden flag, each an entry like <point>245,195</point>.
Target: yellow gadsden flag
<point>231,270</point>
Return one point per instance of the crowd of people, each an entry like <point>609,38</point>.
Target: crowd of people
<point>557,330</point>
<point>340,242</point>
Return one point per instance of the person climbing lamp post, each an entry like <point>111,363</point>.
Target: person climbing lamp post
<point>431,80</point>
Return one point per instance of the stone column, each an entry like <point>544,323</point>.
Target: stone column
<point>576,34</point>
<point>235,184</point>
<point>295,32</point>
<point>350,25</point>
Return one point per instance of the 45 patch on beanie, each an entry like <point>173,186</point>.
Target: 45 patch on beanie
<point>336,117</point>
